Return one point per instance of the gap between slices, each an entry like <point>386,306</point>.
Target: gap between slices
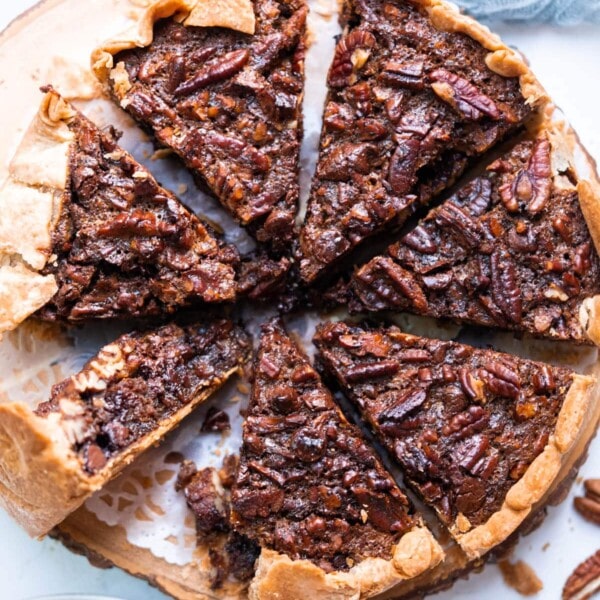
<point>480,435</point>
<point>416,93</point>
<point>227,103</point>
<point>510,249</point>
<point>126,398</point>
<point>104,239</point>
<point>329,518</point>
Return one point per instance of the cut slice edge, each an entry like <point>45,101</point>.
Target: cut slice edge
<point>500,59</point>
<point>34,195</point>
<point>267,218</point>
<point>85,533</point>
<point>540,475</point>
<point>277,575</point>
<point>42,476</point>
<point>572,170</point>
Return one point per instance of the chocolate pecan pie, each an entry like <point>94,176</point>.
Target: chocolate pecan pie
<point>105,238</point>
<point>479,435</point>
<point>96,422</point>
<point>226,99</point>
<point>309,489</point>
<point>510,249</point>
<point>416,92</point>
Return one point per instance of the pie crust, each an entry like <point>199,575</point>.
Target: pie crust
<point>537,480</point>
<point>31,196</point>
<point>42,477</point>
<point>503,60</point>
<point>230,14</point>
<point>277,576</point>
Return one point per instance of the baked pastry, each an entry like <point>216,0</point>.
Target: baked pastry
<point>480,435</point>
<point>105,240</point>
<point>331,522</point>
<point>96,422</point>
<point>416,92</point>
<point>509,249</point>
<point>222,89</point>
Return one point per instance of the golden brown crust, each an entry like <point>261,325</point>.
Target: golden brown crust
<point>537,480</point>
<point>502,60</point>
<point>231,14</point>
<point>41,477</point>
<point>278,577</point>
<point>569,158</point>
<point>30,196</point>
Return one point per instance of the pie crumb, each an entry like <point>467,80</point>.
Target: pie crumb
<point>520,577</point>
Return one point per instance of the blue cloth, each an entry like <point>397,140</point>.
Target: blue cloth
<point>561,12</point>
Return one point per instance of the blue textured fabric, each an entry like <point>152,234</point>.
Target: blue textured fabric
<point>562,12</point>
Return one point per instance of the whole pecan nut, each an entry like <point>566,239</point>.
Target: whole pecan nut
<point>588,506</point>
<point>584,581</point>
<point>463,96</point>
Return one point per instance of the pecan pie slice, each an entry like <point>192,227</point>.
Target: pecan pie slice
<point>330,520</point>
<point>102,238</point>
<point>226,99</point>
<point>480,435</point>
<point>416,91</point>
<point>96,422</point>
<point>510,249</point>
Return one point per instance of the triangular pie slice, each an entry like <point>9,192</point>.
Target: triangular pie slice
<point>510,249</point>
<point>94,235</point>
<point>124,400</point>
<point>223,89</point>
<point>416,92</point>
<point>330,519</point>
<point>481,436</point>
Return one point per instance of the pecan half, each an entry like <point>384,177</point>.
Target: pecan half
<point>462,224</point>
<point>584,582</point>
<point>351,53</point>
<point>370,370</point>
<point>588,506</point>
<point>403,403</point>
<point>404,282</point>
<point>419,239</point>
<point>506,291</point>
<point>402,174</point>
<point>220,69</point>
<point>463,96</point>
<point>404,73</point>
<point>531,185</point>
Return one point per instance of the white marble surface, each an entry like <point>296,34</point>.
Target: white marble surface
<point>567,61</point>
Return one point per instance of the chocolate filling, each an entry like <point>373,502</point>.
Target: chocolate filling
<point>229,105</point>
<point>136,383</point>
<point>308,485</point>
<point>464,424</point>
<point>408,108</point>
<point>125,247</point>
